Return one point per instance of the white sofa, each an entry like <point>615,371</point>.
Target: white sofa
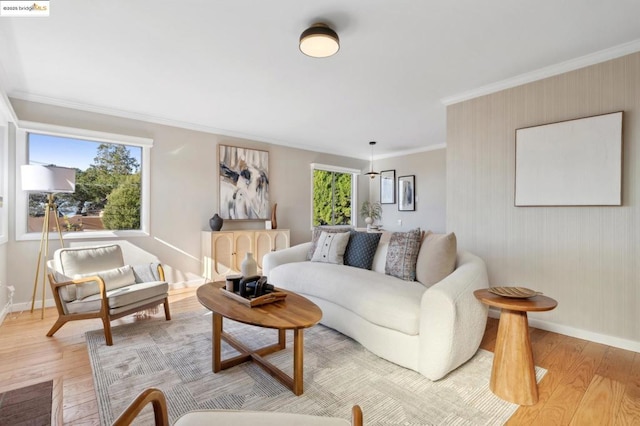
<point>431,330</point>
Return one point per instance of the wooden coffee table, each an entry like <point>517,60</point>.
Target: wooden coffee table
<point>294,313</point>
<point>513,376</point>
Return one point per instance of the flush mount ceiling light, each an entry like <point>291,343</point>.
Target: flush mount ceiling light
<point>371,173</point>
<point>319,41</point>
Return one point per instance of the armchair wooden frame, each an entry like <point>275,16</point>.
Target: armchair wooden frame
<point>150,395</point>
<point>103,313</point>
<point>159,402</point>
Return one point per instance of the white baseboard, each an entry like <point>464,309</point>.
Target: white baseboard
<point>197,282</point>
<point>3,313</point>
<point>616,342</point>
<point>26,306</point>
<point>50,303</point>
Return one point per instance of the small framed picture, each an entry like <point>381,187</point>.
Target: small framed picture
<point>407,193</point>
<point>388,187</point>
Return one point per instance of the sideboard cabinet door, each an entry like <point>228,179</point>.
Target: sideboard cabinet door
<point>223,251</point>
<point>270,240</point>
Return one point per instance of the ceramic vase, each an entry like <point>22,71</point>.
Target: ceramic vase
<point>274,220</point>
<point>216,222</point>
<point>368,220</point>
<point>249,267</point>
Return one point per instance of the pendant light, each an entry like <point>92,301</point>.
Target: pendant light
<point>371,173</point>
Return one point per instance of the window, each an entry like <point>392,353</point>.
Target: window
<point>112,185</point>
<point>333,195</point>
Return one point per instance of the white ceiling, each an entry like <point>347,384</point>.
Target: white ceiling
<point>233,67</point>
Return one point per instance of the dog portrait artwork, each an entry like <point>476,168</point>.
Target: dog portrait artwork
<point>244,183</point>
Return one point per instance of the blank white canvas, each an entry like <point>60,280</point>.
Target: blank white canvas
<point>571,163</point>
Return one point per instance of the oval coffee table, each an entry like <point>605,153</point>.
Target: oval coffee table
<point>293,313</point>
<point>513,376</point>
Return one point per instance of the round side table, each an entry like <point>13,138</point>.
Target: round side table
<point>513,376</point>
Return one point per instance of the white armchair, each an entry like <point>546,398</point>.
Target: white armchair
<point>95,282</point>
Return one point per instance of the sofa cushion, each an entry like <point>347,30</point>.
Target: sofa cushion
<point>82,260</point>
<point>380,299</point>
<point>317,231</point>
<point>380,259</point>
<point>437,258</point>
<point>402,254</point>
<point>120,297</point>
<point>113,278</point>
<point>331,247</point>
<point>361,249</point>
<point>67,292</point>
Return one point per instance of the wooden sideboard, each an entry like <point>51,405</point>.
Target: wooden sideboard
<point>224,251</point>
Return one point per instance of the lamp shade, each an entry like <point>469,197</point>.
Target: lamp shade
<point>319,41</point>
<point>50,179</point>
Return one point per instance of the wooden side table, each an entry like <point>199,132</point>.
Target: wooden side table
<point>513,376</point>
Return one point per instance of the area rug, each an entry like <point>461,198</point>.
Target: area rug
<point>175,356</point>
<point>30,405</point>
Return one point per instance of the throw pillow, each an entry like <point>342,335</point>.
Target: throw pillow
<point>403,254</point>
<point>145,273</point>
<point>437,258</point>
<point>361,249</point>
<point>331,247</point>
<point>316,235</point>
<point>113,278</point>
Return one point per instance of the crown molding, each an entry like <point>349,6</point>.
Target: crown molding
<point>194,126</point>
<point>550,71</point>
<point>6,109</point>
<point>409,151</point>
<point>138,116</point>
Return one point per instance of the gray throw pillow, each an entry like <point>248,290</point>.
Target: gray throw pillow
<point>331,247</point>
<point>403,254</point>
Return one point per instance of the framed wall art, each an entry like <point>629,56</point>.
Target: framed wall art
<point>570,163</point>
<point>388,187</point>
<point>407,193</point>
<point>244,183</point>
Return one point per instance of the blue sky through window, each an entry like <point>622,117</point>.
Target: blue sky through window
<point>67,152</point>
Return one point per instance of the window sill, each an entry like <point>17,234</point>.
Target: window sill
<point>36,236</point>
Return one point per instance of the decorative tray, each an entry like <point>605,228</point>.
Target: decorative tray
<point>514,292</point>
<point>276,296</point>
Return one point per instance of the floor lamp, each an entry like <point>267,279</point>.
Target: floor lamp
<point>49,180</point>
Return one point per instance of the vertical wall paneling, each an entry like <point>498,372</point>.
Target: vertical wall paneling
<point>585,257</point>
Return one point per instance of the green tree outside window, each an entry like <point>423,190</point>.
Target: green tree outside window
<point>332,194</point>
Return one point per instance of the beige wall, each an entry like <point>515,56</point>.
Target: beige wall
<point>429,168</point>
<point>585,257</point>
<point>7,134</point>
<point>184,190</point>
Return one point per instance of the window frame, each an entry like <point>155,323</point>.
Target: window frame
<point>354,190</point>
<point>22,198</point>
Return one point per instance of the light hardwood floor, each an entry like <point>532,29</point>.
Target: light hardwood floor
<point>586,383</point>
